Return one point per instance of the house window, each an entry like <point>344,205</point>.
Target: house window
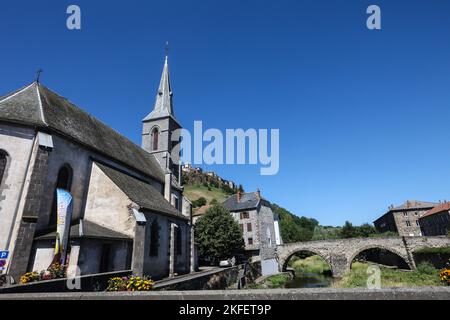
<point>154,239</point>
<point>269,237</point>
<point>64,182</point>
<point>405,214</point>
<point>155,139</point>
<point>250,241</point>
<point>249,227</point>
<point>175,202</point>
<point>244,215</point>
<point>3,163</point>
<point>178,241</point>
<point>408,223</point>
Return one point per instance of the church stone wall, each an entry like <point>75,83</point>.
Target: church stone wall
<point>90,255</point>
<point>18,143</point>
<point>63,153</point>
<point>107,205</point>
<point>158,266</point>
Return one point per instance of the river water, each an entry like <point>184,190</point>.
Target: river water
<point>310,280</point>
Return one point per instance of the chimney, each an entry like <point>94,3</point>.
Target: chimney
<point>239,196</point>
<point>258,194</point>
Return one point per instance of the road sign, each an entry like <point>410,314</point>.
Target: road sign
<point>4,254</point>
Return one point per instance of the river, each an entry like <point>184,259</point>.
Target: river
<point>310,280</point>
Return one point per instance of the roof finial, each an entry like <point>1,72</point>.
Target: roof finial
<point>38,75</point>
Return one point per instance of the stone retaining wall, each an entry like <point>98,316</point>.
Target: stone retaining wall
<point>422,293</point>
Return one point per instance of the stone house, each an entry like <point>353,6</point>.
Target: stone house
<point>260,228</point>
<point>436,222</point>
<point>404,219</point>
<point>129,211</point>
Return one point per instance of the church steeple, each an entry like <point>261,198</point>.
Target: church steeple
<point>164,103</point>
<point>159,125</point>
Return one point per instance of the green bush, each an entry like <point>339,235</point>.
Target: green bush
<point>425,267</point>
<point>433,251</point>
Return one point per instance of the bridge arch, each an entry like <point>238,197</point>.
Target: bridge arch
<point>312,252</point>
<point>392,250</point>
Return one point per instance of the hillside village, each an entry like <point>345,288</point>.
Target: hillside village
<point>207,188</point>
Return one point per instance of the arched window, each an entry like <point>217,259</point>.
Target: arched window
<point>178,241</point>
<point>3,163</point>
<point>155,139</point>
<point>154,239</point>
<point>64,181</point>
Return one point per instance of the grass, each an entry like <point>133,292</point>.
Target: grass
<point>312,264</point>
<point>433,251</point>
<point>272,282</point>
<point>357,277</point>
<point>194,192</point>
<point>278,281</point>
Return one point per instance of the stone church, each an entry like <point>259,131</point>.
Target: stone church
<point>129,212</point>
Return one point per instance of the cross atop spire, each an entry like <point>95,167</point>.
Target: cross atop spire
<point>164,104</point>
<point>38,75</point>
<point>167,49</point>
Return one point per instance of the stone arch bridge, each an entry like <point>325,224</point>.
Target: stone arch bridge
<point>340,253</point>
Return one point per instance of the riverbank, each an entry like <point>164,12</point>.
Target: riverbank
<point>357,277</point>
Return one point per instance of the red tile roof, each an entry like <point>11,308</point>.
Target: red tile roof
<point>443,207</point>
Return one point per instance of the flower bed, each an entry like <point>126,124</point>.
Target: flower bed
<point>445,276</point>
<point>55,271</point>
<point>130,284</point>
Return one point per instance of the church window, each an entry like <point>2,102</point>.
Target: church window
<point>155,139</point>
<point>3,163</point>
<point>64,181</point>
<point>154,239</point>
<point>178,240</point>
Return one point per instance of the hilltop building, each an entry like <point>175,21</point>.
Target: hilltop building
<point>129,211</point>
<point>260,227</point>
<point>404,219</point>
<point>436,222</point>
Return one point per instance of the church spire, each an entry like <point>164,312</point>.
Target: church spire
<point>164,104</point>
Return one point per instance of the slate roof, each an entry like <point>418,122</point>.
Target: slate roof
<point>415,204</point>
<point>248,201</point>
<point>164,99</point>
<point>440,208</point>
<point>141,193</point>
<point>89,230</point>
<point>36,105</point>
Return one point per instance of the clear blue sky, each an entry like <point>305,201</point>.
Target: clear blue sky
<point>363,115</point>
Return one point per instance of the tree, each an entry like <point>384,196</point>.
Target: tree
<point>241,188</point>
<point>366,230</point>
<point>200,202</point>
<point>326,232</point>
<point>218,235</point>
<point>348,230</point>
<point>213,201</point>
<point>294,228</point>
